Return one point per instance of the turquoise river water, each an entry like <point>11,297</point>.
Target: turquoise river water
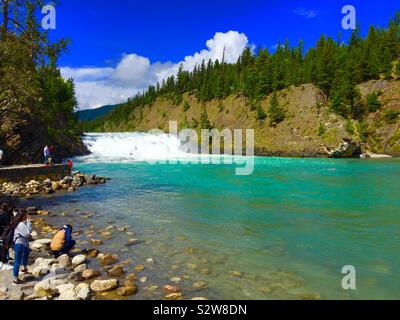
<point>284,232</point>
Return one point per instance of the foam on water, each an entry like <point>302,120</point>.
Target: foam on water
<point>131,147</point>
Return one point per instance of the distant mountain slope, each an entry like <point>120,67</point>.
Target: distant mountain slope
<point>310,129</point>
<point>88,115</point>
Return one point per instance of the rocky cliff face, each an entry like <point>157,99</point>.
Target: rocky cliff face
<point>310,129</point>
<point>23,140</point>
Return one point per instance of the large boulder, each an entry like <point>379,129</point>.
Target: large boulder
<point>347,149</point>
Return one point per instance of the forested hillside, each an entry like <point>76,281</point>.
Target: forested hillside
<point>36,104</point>
<point>336,70</point>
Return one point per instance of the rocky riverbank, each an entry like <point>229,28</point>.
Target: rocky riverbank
<point>86,274</point>
<point>34,188</point>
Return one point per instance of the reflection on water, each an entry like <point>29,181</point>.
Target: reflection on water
<point>283,233</point>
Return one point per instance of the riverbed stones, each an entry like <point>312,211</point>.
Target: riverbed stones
<point>55,185</point>
<point>200,284</point>
<point>45,288</point>
<point>139,268</point>
<point>96,242</point>
<point>64,260</point>
<point>176,279</point>
<point>143,279</point>
<point>78,260</point>
<point>41,244</point>
<point>92,253</point>
<point>174,296</point>
<point>81,268</point>
<point>107,259</point>
<point>127,290</point>
<point>90,274</point>
<point>65,287</point>
<point>171,289</point>
<point>83,291</point>
<point>131,277</point>
<point>104,285</point>
<point>116,271</point>
<point>237,274</point>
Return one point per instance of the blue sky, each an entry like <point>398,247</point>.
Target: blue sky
<point>120,47</point>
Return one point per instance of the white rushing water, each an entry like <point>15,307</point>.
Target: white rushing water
<point>131,147</point>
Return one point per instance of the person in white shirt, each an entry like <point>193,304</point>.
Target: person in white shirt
<point>22,235</point>
<point>46,153</point>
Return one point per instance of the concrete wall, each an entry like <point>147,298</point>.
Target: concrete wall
<point>32,172</point>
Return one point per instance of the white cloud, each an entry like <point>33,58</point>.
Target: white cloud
<point>98,86</point>
<point>306,13</point>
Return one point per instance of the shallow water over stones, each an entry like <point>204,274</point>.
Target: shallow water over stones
<point>283,233</point>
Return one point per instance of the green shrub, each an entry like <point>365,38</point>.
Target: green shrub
<point>321,130</point>
<point>220,106</point>
<point>260,113</point>
<point>350,127</point>
<point>186,106</point>
<point>373,103</point>
<point>391,116</point>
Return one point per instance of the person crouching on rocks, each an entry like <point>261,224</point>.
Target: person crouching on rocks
<point>62,242</point>
<point>22,235</point>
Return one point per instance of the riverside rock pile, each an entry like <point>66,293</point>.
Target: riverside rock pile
<point>32,188</point>
<point>68,277</point>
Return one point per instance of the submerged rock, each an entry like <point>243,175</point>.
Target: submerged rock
<point>90,274</point>
<point>127,291</point>
<point>200,285</point>
<point>104,285</point>
<point>174,296</point>
<point>116,271</point>
<point>107,259</point>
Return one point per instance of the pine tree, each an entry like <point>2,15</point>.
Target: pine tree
<point>204,122</point>
<point>276,113</point>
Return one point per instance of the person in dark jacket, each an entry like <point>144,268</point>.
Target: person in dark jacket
<point>6,217</point>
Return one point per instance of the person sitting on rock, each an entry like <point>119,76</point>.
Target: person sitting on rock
<point>62,242</point>
<point>22,235</point>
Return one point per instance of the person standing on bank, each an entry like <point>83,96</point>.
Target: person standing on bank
<point>46,153</point>
<point>52,152</point>
<point>1,156</point>
<point>22,235</point>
